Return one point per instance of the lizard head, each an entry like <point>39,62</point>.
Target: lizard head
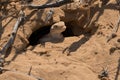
<point>58,27</point>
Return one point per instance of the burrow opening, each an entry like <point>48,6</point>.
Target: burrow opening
<point>41,32</point>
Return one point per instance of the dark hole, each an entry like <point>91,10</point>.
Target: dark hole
<point>35,36</point>
<point>68,32</point>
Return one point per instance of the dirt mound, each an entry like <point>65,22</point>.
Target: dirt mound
<point>87,47</point>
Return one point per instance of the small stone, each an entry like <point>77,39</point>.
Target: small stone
<point>96,53</point>
<point>30,48</point>
<point>112,50</point>
<point>114,35</point>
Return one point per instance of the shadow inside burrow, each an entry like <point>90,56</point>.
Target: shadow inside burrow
<point>90,27</point>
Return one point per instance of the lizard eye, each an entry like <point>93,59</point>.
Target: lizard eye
<point>55,26</point>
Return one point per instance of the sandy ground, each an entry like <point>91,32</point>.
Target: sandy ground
<point>89,54</point>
